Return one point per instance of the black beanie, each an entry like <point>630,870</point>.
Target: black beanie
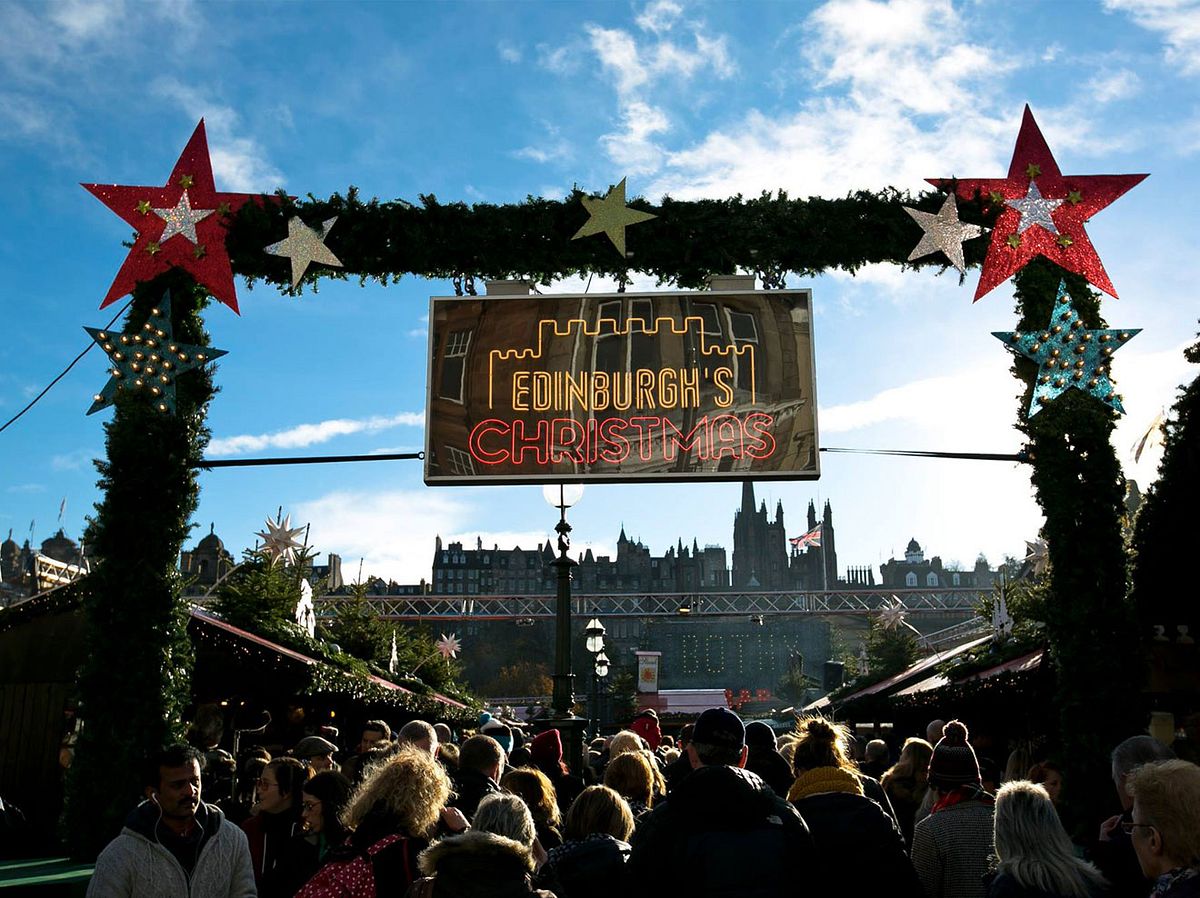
<point>953,763</point>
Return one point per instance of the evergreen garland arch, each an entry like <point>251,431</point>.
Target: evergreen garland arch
<point>139,529</point>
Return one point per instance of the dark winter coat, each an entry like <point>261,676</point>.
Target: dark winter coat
<point>272,851</point>
<point>723,833</point>
<point>595,867</point>
<point>951,850</point>
<point>470,788</point>
<point>906,794</point>
<point>677,771</point>
<point>1004,885</point>
<point>772,767</point>
<point>478,864</point>
<point>1119,864</point>
<point>853,833</point>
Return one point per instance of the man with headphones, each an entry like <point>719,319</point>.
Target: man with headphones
<point>174,845</point>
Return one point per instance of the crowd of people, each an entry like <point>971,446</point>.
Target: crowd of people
<point>727,809</point>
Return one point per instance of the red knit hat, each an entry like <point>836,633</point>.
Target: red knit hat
<point>546,749</point>
<point>953,763</point>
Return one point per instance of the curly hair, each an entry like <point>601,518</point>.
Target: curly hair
<point>536,790</point>
<point>409,785</point>
<point>821,743</point>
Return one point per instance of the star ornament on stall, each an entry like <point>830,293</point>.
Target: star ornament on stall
<point>449,646</point>
<point>1037,556</point>
<point>892,616</point>
<point>943,233</point>
<point>610,216</point>
<point>179,225</point>
<point>303,246</point>
<point>279,540</point>
<point>1041,212</point>
<point>1069,355</point>
<point>148,361</point>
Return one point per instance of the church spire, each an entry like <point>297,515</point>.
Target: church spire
<point>747,497</point>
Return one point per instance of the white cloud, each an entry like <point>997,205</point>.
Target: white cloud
<point>73,461</point>
<point>508,51</point>
<point>391,531</point>
<point>659,16</point>
<point>1109,86</point>
<point>632,148</point>
<point>82,20</point>
<point>239,162</point>
<point>560,60</point>
<point>311,434</point>
<point>1148,381</point>
<point>552,147</point>
<point>26,488</point>
<point>1177,21</point>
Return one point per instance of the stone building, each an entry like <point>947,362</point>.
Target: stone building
<point>914,572</point>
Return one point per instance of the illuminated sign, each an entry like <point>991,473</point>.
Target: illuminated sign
<point>712,385</point>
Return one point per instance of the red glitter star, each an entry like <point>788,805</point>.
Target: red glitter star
<point>1083,196</point>
<point>151,255</point>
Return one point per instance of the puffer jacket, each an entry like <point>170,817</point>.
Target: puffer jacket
<point>136,864</point>
<point>595,867</point>
<point>477,864</point>
<point>723,833</point>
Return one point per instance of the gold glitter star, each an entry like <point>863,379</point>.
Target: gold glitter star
<point>152,248</point>
<point>1074,197</point>
<point>1014,240</point>
<point>223,209</point>
<point>199,251</point>
<point>1032,170</point>
<point>143,207</point>
<point>610,216</point>
<point>185,181</point>
<point>304,246</point>
<point>1064,241</point>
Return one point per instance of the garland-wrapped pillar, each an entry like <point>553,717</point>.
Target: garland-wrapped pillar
<point>1078,483</point>
<point>134,683</point>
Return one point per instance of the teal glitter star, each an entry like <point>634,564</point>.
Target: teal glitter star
<point>1069,355</point>
<point>148,360</point>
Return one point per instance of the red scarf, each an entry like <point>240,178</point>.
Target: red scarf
<point>971,792</point>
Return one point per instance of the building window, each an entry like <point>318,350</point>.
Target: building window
<point>745,334</point>
<point>454,365</point>
<point>610,345</point>
<point>956,579</point>
<point>910,579</point>
<point>931,579</point>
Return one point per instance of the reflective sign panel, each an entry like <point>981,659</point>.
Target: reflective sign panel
<point>712,385</point>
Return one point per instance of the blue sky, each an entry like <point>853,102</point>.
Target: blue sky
<point>495,101</point>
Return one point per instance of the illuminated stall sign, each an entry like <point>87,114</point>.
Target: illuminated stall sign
<point>714,385</point>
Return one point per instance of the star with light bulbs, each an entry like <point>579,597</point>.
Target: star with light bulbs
<point>1069,355</point>
<point>148,360</point>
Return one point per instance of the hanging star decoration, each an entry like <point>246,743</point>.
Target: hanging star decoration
<point>1041,212</point>
<point>892,616</point>
<point>943,232</point>
<point>1037,556</point>
<point>304,245</point>
<point>148,360</point>
<point>180,224</point>
<point>610,216</point>
<point>449,646</point>
<point>1069,355</point>
<point>1151,438</point>
<point>279,540</point>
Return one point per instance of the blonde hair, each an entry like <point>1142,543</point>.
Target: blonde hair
<point>1033,848</point>
<point>505,815</point>
<point>624,741</point>
<point>821,743</point>
<point>598,809</point>
<point>410,785</point>
<point>631,776</point>
<point>913,761</point>
<point>535,789</point>
<point>1168,795</point>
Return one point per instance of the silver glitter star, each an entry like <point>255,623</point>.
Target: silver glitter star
<point>182,219</point>
<point>303,246</point>
<point>943,232</point>
<point>1035,210</point>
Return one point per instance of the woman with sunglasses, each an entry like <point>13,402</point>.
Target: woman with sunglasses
<point>1035,856</point>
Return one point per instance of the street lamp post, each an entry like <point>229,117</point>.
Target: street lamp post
<point>599,672</point>
<point>594,631</point>
<point>562,497</point>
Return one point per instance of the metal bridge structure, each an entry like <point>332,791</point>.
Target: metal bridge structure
<point>917,603</point>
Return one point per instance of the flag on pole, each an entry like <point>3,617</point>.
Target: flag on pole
<point>62,508</point>
<point>812,538</point>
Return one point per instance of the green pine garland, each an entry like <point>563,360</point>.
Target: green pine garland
<point>134,683</point>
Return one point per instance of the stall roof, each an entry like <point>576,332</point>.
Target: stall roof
<point>1016,665</point>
